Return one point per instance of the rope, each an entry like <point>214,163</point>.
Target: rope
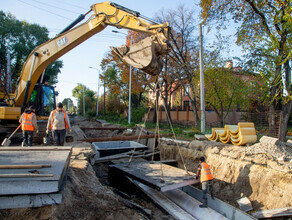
<point>130,160</point>
<point>179,150</point>
<point>158,134</point>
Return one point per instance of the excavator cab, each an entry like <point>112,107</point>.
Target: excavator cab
<point>43,98</point>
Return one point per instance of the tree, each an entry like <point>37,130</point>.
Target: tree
<point>183,55</point>
<point>264,27</point>
<point>68,104</point>
<point>116,75</point>
<point>90,100</point>
<point>19,38</point>
<point>225,91</point>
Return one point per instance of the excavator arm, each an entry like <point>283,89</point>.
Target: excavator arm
<point>145,55</point>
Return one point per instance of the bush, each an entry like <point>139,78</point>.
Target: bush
<point>90,113</point>
<point>138,114</point>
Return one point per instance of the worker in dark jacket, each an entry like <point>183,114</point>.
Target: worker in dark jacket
<point>28,125</point>
<point>206,179</point>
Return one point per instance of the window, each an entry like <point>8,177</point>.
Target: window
<point>48,99</point>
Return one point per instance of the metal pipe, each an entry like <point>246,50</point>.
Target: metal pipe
<point>76,21</point>
<point>28,83</point>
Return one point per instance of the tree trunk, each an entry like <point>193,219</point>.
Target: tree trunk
<point>221,116</point>
<point>284,120</point>
<point>165,99</point>
<point>156,107</point>
<point>195,110</point>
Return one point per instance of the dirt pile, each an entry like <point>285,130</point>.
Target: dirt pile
<point>240,171</point>
<point>84,196</point>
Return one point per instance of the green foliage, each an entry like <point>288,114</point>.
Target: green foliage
<point>225,91</point>
<point>138,114</point>
<point>264,30</point>
<point>19,38</point>
<point>68,104</point>
<point>114,106</point>
<point>90,99</point>
<point>90,113</point>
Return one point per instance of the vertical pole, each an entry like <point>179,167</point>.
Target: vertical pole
<point>83,102</point>
<point>97,95</point>
<point>130,85</point>
<point>103,98</point>
<point>202,89</point>
<point>28,83</point>
<point>8,83</point>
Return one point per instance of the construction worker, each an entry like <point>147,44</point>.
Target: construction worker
<point>58,122</point>
<point>28,125</point>
<point>206,179</point>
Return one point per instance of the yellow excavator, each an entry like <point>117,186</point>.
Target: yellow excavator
<point>144,55</point>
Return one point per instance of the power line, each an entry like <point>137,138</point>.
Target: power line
<point>45,10</point>
<point>73,5</point>
<point>53,6</point>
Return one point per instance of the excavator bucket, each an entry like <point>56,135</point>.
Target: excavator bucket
<point>144,55</point>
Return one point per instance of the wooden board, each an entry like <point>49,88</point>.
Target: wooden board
<point>16,183</point>
<point>152,174</point>
<point>25,201</point>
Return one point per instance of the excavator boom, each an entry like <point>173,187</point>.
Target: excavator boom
<point>144,55</point>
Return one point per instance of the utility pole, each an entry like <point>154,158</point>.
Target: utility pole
<point>202,87</point>
<point>98,71</point>
<point>103,98</point>
<point>8,77</point>
<point>130,89</point>
<point>97,95</point>
<point>83,102</point>
<point>130,79</point>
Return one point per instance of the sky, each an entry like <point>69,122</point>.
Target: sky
<point>57,14</point>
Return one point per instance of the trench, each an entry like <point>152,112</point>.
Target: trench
<point>124,188</point>
<point>237,174</point>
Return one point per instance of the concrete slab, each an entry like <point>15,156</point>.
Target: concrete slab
<point>157,175</point>
<point>58,158</point>
<point>30,201</point>
<point>169,206</point>
<point>116,147</point>
<point>219,206</point>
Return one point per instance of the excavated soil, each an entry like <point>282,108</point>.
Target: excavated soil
<point>85,197</point>
<point>250,172</point>
<point>260,173</point>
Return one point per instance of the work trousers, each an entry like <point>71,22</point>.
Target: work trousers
<point>205,185</point>
<point>27,138</point>
<point>59,137</point>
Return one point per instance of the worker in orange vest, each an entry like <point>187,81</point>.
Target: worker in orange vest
<point>206,179</point>
<point>59,122</point>
<point>28,125</point>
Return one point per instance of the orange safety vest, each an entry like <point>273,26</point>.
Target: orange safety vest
<point>53,117</point>
<point>26,122</point>
<point>205,172</point>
